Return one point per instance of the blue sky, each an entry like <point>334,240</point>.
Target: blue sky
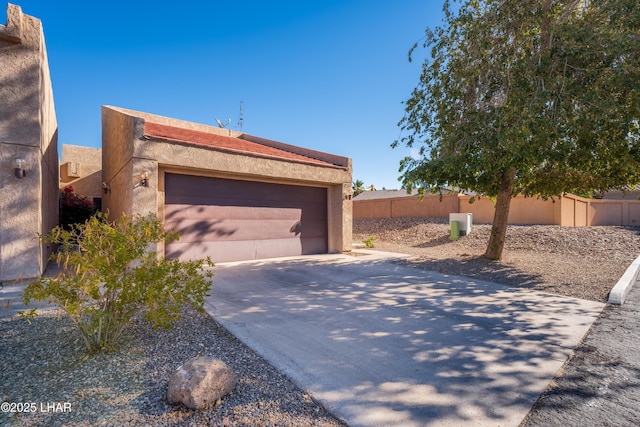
<point>328,75</point>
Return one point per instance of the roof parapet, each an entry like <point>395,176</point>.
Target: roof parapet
<point>326,157</point>
<point>12,31</point>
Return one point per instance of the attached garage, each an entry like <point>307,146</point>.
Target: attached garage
<point>234,220</point>
<point>231,196</point>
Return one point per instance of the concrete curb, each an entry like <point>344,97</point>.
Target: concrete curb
<point>621,289</point>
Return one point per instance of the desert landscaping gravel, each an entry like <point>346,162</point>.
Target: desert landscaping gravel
<point>43,362</point>
<point>582,262</point>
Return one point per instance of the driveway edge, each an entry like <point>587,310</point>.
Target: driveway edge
<point>620,291</point>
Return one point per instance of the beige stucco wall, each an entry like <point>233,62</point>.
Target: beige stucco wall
<point>117,161</point>
<point>578,211</point>
<point>127,153</point>
<point>81,168</point>
<point>431,206</point>
<point>523,210</point>
<point>28,130</point>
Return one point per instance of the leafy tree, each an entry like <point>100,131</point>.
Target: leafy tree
<point>109,274</point>
<point>358,187</point>
<point>527,96</point>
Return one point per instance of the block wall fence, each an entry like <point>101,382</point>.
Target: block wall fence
<point>569,210</point>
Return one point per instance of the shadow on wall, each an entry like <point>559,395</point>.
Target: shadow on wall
<point>202,236</point>
<point>19,208</point>
<point>237,220</point>
<point>19,120</point>
<point>194,232</point>
<point>50,193</point>
<point>88,186</point>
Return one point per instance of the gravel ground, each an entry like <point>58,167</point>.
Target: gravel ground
<point>582,262</point>
<point>43,361</point>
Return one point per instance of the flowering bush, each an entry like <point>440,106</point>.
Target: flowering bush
<point>74,209</point>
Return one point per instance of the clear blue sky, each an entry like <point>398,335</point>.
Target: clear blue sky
<point>329,75</point>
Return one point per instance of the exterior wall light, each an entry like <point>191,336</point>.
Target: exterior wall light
<point>19,164</point>
<point>144,179</point>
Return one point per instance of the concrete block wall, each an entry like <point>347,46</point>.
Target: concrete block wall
<point>431,206</point>
<point>569,210</point>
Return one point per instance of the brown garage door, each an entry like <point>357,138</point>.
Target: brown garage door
<point>233,220</point>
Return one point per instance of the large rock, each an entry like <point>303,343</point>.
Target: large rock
<point>200,382</point>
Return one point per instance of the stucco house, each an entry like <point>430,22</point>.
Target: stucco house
<point>232,196</point>
<point>28,148</point>
<point>81,168</point>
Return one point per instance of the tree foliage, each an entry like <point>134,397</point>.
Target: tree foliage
<point>527,96</point>
<point>358,187</point>
<point>109,274</point>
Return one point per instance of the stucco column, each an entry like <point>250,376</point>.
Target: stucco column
<point>340,218</point>
<point>347,216</point>
<point>28,130</point>
<point>20,216</point>
<point>145,199</point>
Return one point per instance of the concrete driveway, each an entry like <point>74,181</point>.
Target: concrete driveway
<point>380,344</point>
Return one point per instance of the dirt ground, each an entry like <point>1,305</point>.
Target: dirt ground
<point>582,262</point>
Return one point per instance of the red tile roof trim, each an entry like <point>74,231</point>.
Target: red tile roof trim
<point>224,143</point>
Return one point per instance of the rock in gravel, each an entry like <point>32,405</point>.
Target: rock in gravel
<point>201,382</point>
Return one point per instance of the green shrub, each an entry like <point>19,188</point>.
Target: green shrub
<point>369,242</point>
<point>109,273</point>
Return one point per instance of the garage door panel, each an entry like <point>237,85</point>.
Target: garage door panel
<point>247,203</point>
<point>311,228</point>
<point>278,248</point>
<point>255,199</point>
<point>218,251</point>
<point>202,230</point>
<point>237,250</point>
<point>311,211</point>
<point>314,245</point>
<point>205,190</point>
<point>202,212</point>
<point>230,229</point>
<point>232,220</point>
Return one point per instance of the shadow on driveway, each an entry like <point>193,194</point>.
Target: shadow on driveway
<point>380,343</point>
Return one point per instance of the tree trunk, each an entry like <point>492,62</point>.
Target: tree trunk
<point>545,34</point>
<point>499,227</point>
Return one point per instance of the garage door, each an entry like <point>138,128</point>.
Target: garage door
<point>233,220</point>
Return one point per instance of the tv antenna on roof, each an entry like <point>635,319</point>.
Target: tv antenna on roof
<point>241,120</point>
<point>223,125</point>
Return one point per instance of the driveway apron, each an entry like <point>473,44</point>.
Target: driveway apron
<point>380,344</point>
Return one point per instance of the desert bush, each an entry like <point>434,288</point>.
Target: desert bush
<point>110,272</point>
<point>369,242</point>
